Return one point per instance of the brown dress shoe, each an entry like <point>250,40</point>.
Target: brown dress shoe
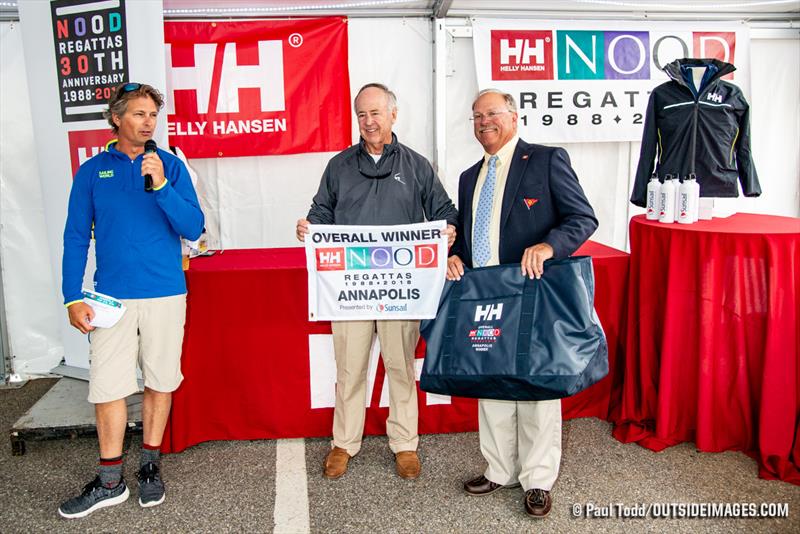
<point>336,463</point>
<point>407,464</point>
<point>481,485</point>
<point>538,502</point>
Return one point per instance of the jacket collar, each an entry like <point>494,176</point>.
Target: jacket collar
<point>504,155</point>
<point>678,70</point>
<point>111,150</point>
<point>383,168</point>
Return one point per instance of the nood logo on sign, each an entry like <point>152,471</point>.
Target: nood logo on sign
<point>354,258</point>
<point>599,55</point>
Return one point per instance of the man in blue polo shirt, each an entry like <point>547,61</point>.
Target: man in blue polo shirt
<point>137,206</point>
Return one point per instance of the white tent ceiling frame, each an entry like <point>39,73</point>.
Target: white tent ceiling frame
<point>787,11</point>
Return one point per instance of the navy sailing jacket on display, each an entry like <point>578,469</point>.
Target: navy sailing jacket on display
<point>705,132</point>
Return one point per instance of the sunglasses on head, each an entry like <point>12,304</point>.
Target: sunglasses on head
<point>128,87</point>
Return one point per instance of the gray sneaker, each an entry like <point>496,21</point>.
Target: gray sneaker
<point>93,497</point>
<point>151,488</point>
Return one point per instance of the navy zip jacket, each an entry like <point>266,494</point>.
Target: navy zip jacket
<point>705,132</point>
<point>542,203</point>
<point>400,189</point>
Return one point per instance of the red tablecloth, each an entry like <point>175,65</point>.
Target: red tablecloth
<point>246,353</point>
<point>713,339</point>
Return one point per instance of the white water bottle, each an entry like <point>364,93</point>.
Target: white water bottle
<point>685,194</point>
<point>653,187</point>
<point>695,197</point>
<point>666,203</point>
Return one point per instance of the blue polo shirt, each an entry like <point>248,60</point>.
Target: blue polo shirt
<point>137,233</point>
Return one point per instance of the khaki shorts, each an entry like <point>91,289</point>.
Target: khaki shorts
<point>149,334</point>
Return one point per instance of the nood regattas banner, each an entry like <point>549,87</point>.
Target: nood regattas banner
<point>375,272</point>
<point>577,81</point>
<point>91,49</point>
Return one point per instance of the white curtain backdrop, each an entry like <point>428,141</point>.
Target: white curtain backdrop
<point>32,300</point>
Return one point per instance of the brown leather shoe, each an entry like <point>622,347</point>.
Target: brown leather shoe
<point>407,464</point>
<point>336,463</point>
<point>481,485</point>
<point>538,502</point>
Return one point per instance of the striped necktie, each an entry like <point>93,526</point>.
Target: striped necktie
<point>483,217</point>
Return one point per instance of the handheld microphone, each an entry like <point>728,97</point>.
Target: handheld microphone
<point>149,146</point>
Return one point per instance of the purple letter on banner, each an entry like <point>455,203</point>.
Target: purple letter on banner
<point>627,55</point>
<point>380,257</point>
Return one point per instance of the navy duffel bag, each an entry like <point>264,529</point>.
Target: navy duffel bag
<point>501,335</point>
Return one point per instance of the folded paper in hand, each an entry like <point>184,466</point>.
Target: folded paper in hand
<point>107,310</point>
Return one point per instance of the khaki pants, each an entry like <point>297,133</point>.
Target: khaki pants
<point>352,341</point>
<point>521,441</point>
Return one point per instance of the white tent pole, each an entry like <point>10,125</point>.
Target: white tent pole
<point>439,96</point>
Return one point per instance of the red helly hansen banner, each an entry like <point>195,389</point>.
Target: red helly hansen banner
<point>257,88</point>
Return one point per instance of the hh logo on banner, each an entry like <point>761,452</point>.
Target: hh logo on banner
<point>522,55</point>
<point>599,54</point>
<point>85,144</point>
<point>258,87</point>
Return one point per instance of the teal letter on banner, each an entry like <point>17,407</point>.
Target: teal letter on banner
<point>358,258</point>
<point>114,22</point>
<point>580,55</point>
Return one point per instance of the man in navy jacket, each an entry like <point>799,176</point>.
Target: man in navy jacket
<point>520,203</point>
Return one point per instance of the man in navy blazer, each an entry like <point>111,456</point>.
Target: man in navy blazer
<point>520,203</point>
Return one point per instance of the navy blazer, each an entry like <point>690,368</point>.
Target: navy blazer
<point>542,203</point>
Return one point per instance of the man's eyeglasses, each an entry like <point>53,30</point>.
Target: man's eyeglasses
<point>478,117</point>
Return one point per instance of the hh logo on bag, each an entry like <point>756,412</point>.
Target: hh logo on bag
<point>488,312</point>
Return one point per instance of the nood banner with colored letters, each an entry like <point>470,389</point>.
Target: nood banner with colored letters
<point>580,81</point>
<point>256,88</point>
<point>375,272</point>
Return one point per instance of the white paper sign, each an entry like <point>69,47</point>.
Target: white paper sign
<point>107,310</point>
<point>375,272</point>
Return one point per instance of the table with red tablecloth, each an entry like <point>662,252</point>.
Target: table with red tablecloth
<point>713,339</point>
<point>246,353</point>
